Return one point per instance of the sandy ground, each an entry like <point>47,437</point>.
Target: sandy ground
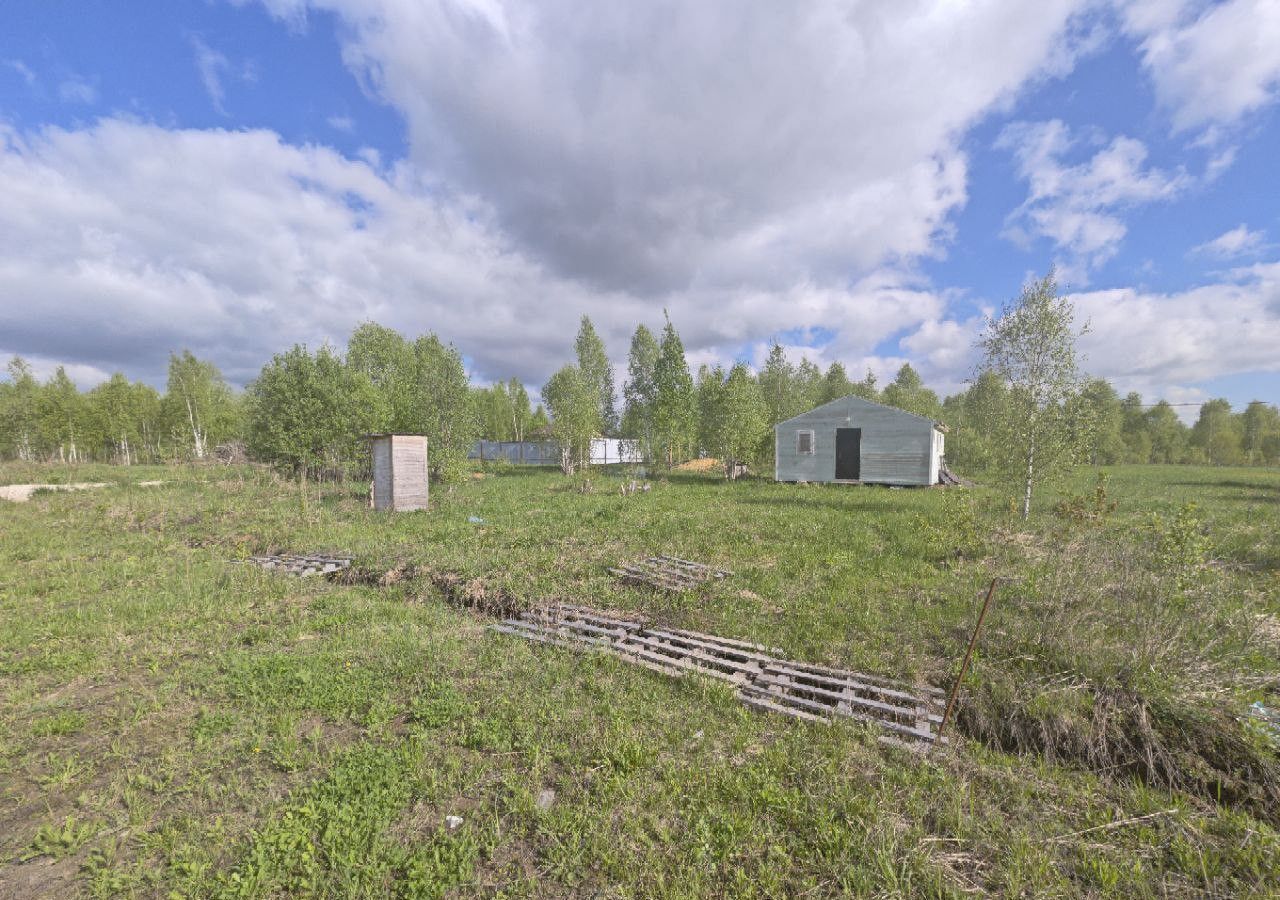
<point>705,464</point>
<point>21,493</point>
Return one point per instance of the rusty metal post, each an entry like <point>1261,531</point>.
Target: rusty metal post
<point>964,666</point>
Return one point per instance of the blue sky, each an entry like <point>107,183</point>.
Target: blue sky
<point>862,181</point>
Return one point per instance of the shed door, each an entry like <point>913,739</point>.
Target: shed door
<point>848,454</point>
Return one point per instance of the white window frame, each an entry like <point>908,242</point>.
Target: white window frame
<point>813,442</point>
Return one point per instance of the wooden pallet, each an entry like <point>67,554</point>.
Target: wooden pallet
<point>908,715</point>
<point>300,566</point>
<point>948,478</point>
<point>668,573</point>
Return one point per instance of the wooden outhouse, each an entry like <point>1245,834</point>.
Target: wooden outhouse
<point>399,471</point>
<point>852,441</point>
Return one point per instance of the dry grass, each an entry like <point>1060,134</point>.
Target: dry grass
<point>1105,660</point>
<point>706,464</point>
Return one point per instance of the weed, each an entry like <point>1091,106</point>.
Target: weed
<point>58,841</point>
<point>954,530</point>
<point>1182,545</point>
<point>62,771</point>
<point>1095,507</point>
<point>59,724</point>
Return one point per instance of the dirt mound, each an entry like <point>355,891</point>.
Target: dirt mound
<point>1118,731</point>
<point>698,465</point>
<point>458,590</point>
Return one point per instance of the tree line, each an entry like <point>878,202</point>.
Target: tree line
<point>119,420</point>
<point>309,410</point>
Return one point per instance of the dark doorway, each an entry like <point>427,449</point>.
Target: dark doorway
<point>848,454</point>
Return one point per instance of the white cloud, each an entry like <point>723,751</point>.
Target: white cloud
<point>43,368</point>
<point>1239,241</point>
<point>1154,343</point>
<point>214,67</point>
<point>77,90</point>
<point>1211,63</point>
<point>126,241</point>
<point>23,70</point>
<point>1078,206</point>
<point>669,145</point>
<point>943,351</point>
<point>753,168</point>
<point>342,123</point>
<point>211,64</point>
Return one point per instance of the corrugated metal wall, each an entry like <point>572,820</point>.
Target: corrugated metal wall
<point>604,451</point>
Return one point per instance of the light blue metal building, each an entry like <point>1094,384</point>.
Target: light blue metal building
<point>856,441</point>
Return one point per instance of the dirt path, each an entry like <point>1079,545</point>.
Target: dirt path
<point>21,493</point>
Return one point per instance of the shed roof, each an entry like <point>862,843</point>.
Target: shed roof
<point>860,400</point>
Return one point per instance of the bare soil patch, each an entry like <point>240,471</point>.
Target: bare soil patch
<point>21,493</point>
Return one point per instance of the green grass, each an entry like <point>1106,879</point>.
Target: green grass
<point>174,723</point>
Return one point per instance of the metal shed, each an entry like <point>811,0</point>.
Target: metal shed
<point>852,441</point>
<point>399,471</point>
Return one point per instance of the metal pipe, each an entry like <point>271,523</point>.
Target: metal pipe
<point>964,666</point>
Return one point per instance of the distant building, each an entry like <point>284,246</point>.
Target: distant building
<point>851,440</point>
<point>604,451</point>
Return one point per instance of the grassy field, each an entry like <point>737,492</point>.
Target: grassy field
<point>175,724</point>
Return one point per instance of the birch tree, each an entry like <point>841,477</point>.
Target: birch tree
<point>835,384</point>
<point>639,393</point>
<point>1031,347</point>
<point>593,363</point>
<point>19,413</point>
<point>61,412</point>
<point>441,407</point>
<point>198,403</point>
<point>741,422</point>
<point>116,417</point>
<point>307,412</point>
<point>675,404</point>
<point>574,404</point>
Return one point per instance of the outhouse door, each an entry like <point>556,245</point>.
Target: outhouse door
<point>848,454</point>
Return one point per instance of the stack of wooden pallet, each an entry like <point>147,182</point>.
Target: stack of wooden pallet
<point>764,680</point>
<point>668,573</point>
<point>301,566</point>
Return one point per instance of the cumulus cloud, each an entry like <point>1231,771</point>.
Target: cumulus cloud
<point>125,241</point>
<point>1239,241</point>
<point>1079,207</point>
<point>1155,342</point>
<point>1211,63</point>
<point>753,169</point>
<point>1159,344</point>
<point>660,146</point>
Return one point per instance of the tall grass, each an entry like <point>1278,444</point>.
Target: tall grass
<point>173,721</point>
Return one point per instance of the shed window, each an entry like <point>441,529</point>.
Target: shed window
<point>804,442</point>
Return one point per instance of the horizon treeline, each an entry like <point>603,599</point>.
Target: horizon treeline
<point>308,411</point>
